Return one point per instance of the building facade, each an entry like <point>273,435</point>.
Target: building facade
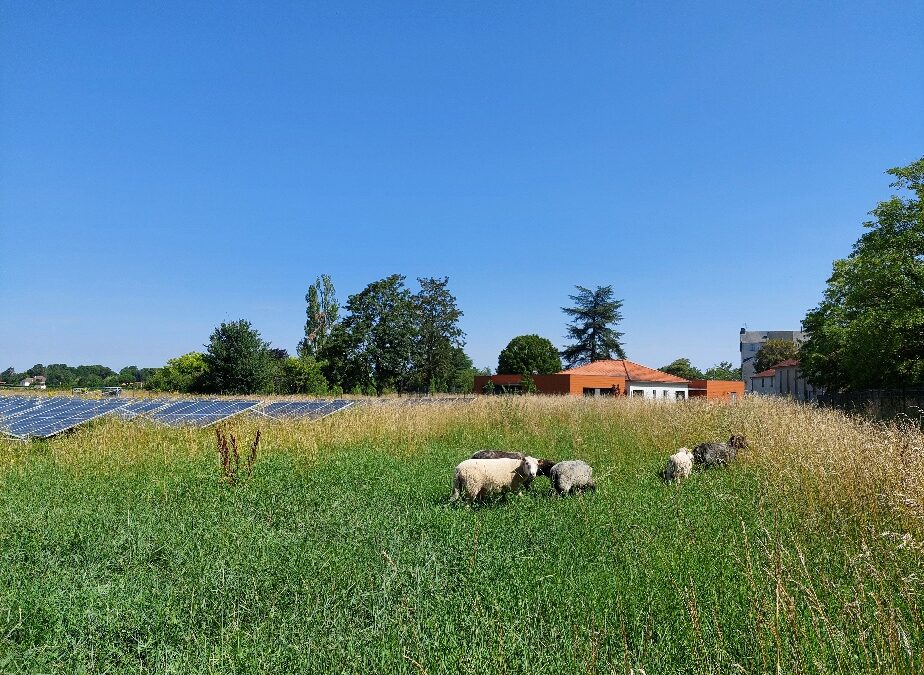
<point>615,378</point>
<point>784,379</point>
<point>750,342</point>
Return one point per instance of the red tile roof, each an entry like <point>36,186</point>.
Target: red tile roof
<point>624,368</point>
<point>788,363</point>
<point>770,372</point>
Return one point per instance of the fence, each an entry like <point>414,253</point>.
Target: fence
<point>879,403</point>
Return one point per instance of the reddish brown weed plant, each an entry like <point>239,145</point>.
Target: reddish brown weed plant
<point>230,458</point>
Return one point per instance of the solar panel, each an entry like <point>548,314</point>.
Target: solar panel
<point>305,409</point>
<point>143,406</point>
<point>200,412</point>
<point>56,414</point>
<point>14,405</point>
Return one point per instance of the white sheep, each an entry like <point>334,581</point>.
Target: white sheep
<point>679,465</point>
<point>480,478</point>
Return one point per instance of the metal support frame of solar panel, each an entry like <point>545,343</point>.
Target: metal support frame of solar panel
<point>200,412</point>
<point>313,410</point>
<point>438,400</point>
<point>56,414</point>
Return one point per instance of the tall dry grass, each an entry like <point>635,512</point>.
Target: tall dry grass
<point>823,456</point>
<point>816,571</point>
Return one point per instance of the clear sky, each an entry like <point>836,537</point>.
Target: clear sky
<point>166,166</point>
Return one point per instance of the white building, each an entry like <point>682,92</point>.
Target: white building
<point>751,341</point>
<point>784,379</point>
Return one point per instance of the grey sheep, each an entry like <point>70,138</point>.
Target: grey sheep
<point>719,454</point>
<point>572,476</point>
<point>545,465</point>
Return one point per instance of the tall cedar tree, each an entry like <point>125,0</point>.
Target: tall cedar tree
<point>322,314</point>
<point>439,335</point>
<point>592,329</point>
<point>238,360</point>
<point>374,346</point>
<point>868,330</point>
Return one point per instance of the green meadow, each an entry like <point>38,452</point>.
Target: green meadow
<point>124,548</point>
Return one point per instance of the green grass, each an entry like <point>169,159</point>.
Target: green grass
<point>121,551</point>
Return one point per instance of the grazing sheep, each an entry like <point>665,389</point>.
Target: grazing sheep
<point>545,465</point>
<point>572,476</point>
<point>679,465</point>
<point>479,478</point>
<point>719,454</point>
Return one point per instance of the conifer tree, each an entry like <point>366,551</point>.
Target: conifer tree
<point>592,329</point>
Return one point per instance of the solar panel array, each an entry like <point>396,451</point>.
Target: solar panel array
<point>41,417</point>
<point>304,409</point>
<point>200,412</point>
<point>53,415</point>
<point>141,407</point>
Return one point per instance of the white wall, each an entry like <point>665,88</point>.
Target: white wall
<point>660,391</point>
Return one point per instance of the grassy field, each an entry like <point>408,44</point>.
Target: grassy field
<point>122,550</point>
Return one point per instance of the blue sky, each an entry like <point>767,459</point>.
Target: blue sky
<point>168,166</point>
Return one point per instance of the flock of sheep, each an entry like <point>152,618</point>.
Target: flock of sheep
<point>495,472</point>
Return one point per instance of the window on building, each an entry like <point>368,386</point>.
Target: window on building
<point>638,392</point>
<point>680,394</point>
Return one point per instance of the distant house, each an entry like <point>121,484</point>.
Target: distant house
<point>618,377</point>
<point>36,381</point>
<point>762,382</point>
<point>785,379</point>
<point>750,342</point>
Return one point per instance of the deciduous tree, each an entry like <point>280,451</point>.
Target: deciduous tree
<point>774,351</point>
<point>439,335</point>
<point>374,346</point>
<point>183,374</point>
<point>723,371</point>
<point>683,368</point>
<point>868,330</point>
<point>528,355</point>
<point>323,311</point>
<point>237,360</point>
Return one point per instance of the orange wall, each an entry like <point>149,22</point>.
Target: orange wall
<point>579,382</point>
<point>717,388</point>
<point>556,384</point>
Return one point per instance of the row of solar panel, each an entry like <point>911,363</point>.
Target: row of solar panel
<point>38,417</point>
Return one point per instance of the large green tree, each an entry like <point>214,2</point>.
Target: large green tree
<point>439,335</point>
<point>528,355</point>
<point>868,330</point>
<point>723,371</point>
<point>183,374</point>
<point>238,360</point>
<point>373,348</point>
<point>300,375</point>
<point>323,311</point>
<point>592,329</point>
<point>773,352</point>
<point>683,368</point>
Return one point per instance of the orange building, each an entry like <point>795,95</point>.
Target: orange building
<point>616,378</point>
